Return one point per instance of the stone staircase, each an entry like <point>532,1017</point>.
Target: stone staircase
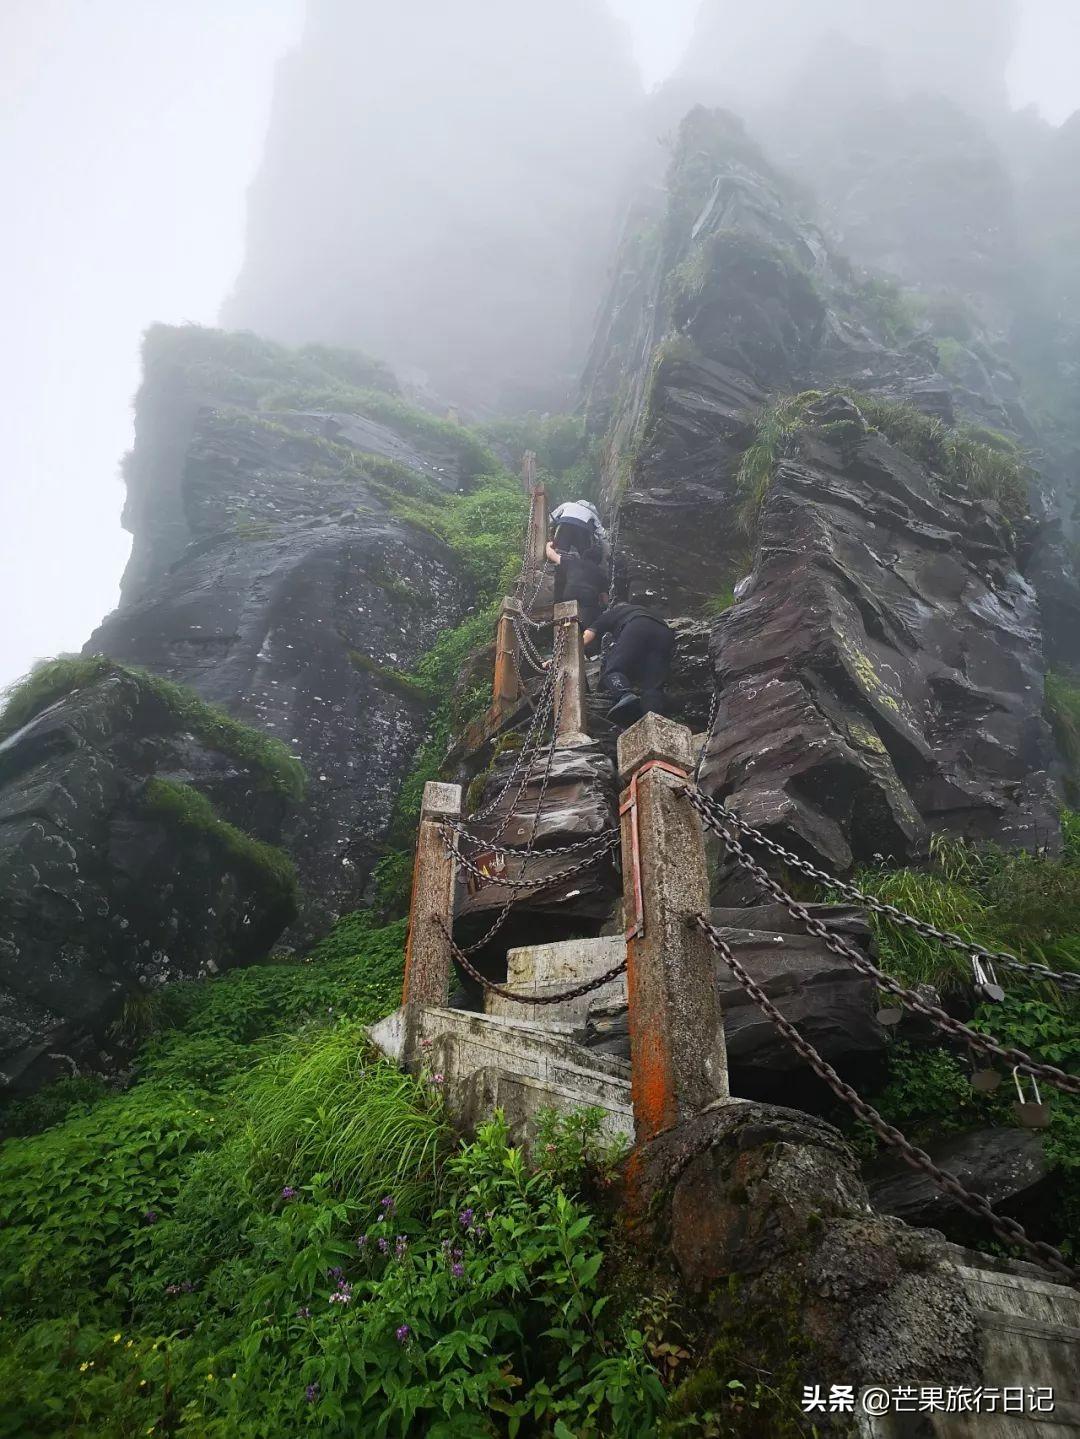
<point>1029,1339</point>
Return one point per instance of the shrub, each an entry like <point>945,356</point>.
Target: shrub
<point>1063,712</point>
<point>290,1238</point>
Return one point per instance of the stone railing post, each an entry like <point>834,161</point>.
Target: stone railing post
<point>427,949</point>
<point>506,689</point>
<point>572,727</point>
<point>677,1055</point>
<point>537,537</point>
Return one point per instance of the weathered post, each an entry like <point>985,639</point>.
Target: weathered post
<point>537,537</point>
<point>427,949</point>
<point>571,728</point>
<point>677,1055</point>
<point>506,689</point>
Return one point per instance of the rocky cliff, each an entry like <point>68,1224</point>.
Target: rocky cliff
<point>423,169</point>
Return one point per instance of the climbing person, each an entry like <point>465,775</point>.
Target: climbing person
<point>635,667</point>
<point>579,576</point>
<point>577,523</point>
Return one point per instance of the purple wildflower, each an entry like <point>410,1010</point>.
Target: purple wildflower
<point>384,1245</point>
<point>438,1079</point>
<point>361,1241</point>
<point>303,1312</point>
<point>465,1218</point>
<point>402,1333</point>
<point>312,1393</point>
<point>335,1272</point>
<point>150,1217</point>
<point>288,1192</point>
<point>387,1205</point>
<point>400,1246</point>
<point>172,1289</point>
<point>342,1294</point>
<point>187,1286</point>
<point>457,1270</point>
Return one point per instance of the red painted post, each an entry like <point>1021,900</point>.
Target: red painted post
<point>678,1059</point>
<point>506,687</point>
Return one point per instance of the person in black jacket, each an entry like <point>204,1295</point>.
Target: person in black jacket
<point>635,667</point>
<point>579,576</point>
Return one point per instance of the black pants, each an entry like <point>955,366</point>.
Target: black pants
<point>638,662</point>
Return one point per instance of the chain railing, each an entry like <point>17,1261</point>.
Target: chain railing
<point>890,911</point>
<point>491,987</point>
<point>975,1204</point>
<point>715,817</point>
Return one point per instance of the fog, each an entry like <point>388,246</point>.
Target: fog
<point>131,130</point>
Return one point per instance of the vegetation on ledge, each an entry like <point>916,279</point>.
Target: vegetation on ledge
<point>184,806</point>
<point>267,758</point>
<point>982,463</point>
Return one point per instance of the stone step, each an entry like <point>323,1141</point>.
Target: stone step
<point>544,969</point>
<point>533,1066</point>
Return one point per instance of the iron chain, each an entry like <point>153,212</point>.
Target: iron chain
<point>1068,1083</point>
<point>890,911</point>
<point>492,988</point>
<point>1003,1227</point>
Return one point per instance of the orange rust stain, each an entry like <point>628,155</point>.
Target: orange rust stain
<point>652,1077</point>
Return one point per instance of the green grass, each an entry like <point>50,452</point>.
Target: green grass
<point>170,1255</point>
<point>983,463</point>
<point>183,806</point>
<point>1028,904</point>
<point>179,708</point>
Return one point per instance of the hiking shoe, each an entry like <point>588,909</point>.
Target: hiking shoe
<point>625,710</point>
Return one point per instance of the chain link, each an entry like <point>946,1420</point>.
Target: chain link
<point>918,1159</point>
<point>1016,1058</point>
<point>594,841</point>
<point>545,883</point>
<point>890,911</point>
<point>492,988</point>
<point>713,710</point>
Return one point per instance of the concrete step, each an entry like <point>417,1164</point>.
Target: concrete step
<point>532,1066</point>
<point>544,969</point>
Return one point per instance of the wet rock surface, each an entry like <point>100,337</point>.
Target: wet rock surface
<point>578,785</point>
<point>884,673</point>
<point>102,898</point>
<point>284,589</point>
<point>765,1218</point>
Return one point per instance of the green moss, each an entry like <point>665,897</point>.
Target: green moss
<point>393,679</point>
<point>1063,712</point>
<point>719,603</point>
<point>183,806</point>
<point>392,878</point>
<point>50,681</point>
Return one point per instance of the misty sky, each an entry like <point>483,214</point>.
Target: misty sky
<point>129,130</point>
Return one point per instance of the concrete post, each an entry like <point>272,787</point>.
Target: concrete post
<point>677,1054</point>
<point>427,949</point>
<point>537,537</point>
<point>572,726</point>
<point>506,689</point>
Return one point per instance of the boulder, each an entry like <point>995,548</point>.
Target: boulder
<point>105,892</point>
<point>1006,1166</point>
